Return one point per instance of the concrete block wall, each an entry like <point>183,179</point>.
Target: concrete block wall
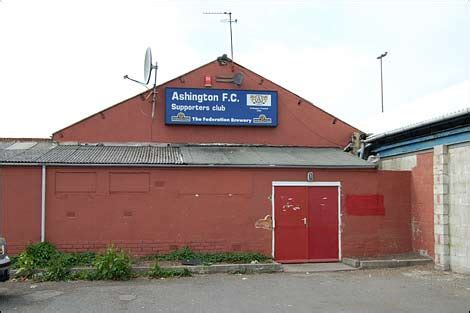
<point>399,163</point>
<point>459,207</point>
<point>441,207</point>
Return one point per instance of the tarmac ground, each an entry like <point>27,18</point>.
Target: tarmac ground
<point>408,289</point>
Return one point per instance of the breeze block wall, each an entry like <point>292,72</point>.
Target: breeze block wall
<point>459,207</point>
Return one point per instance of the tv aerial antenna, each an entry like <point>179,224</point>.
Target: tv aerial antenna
<point>148,68</point>
<point>230,21</point>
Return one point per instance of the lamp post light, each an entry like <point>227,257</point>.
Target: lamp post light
<point>380,57</point>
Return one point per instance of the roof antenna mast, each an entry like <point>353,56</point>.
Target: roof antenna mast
<point>230,21</point>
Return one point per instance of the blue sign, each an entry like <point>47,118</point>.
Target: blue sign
<point>190,106</point>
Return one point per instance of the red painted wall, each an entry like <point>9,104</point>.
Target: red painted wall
<point>150,210</point>
<point>300,123</point>
<point>422,204</point>
<point>20,206</point>
<point>376,234</point>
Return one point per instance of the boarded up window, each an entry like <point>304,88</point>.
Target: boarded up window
<point>365,205</point>
<point>129,182</point>
<point>75,182</point>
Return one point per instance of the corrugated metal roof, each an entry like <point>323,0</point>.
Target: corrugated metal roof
<point>52,153</point>
<point>49,152</point>
<point>23,153</point>
<point>408,128</point>
<point>270,156</point>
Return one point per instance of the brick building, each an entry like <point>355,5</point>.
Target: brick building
<point>249,166</point>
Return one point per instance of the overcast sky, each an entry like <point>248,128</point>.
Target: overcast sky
<point>61,61</point>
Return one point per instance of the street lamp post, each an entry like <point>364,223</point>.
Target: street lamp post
<point>380,57</point>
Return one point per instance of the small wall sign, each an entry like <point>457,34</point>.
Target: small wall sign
<point>310,176</point>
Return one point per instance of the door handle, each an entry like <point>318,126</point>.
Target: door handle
<point>305,220</point>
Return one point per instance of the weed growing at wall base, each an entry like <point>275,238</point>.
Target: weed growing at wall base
<point>157,272</point>
<point>186,253</point>
<point>43,262</point>
<point>114,264</point>
<point>35,256</point>
<point>58,269</point>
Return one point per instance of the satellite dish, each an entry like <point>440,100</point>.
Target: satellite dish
<point>148,65</point>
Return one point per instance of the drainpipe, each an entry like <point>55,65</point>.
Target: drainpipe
<point>43,203</point>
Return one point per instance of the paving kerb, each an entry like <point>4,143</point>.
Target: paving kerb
<point>267,267</point>
<point>222,268</point>
<point>366,264</point>
<point>351,262</point>
<point>317,267</point>
<point>200,269</point>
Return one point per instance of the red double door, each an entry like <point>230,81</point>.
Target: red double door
<point>306,224</point>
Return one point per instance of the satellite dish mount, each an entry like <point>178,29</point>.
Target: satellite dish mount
<point>148,68</point>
